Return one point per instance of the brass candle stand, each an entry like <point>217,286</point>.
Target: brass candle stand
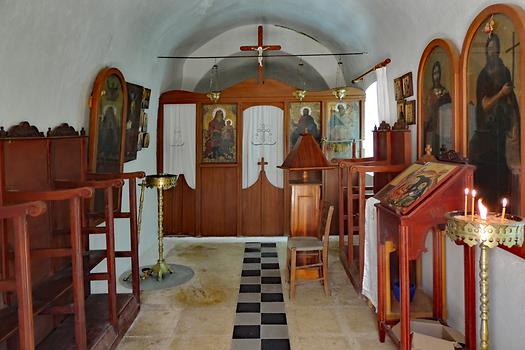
<point>487,233</point>
<point>161,182</point>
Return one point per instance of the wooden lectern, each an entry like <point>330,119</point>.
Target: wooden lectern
<point>409,209</point>
<point>305,163</point>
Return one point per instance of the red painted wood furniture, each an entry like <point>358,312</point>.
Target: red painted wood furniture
<point>47,168</point>
<point>20,282</point>
<point>391,156</point>
<point>408,232</point>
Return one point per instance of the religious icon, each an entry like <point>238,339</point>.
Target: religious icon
<point>219,128</point>
<point>343,128</point>
<point>406,82</point>
<point>437,113</point>
<point>493,119</point>
<point>408,191</point>
<point>107,127</point>
<point>304,117</point>
<point>401,110</point>
<point>110,124</point>
<point>410,112</point>
<point>145,98</point>
<point>398,89</point>
<point>133,124</point>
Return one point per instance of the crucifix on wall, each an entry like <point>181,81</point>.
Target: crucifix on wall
<point>259,49</point>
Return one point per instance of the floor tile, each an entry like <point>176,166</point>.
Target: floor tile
<point>248,318</point>
<point>273,318</point>
<point>247,332</point>
<point>275,344</point>
<point>248,307</point>
<point>246,344</point>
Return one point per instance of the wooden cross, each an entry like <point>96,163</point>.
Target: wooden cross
<point>262,163</point>
<point>260,48</point>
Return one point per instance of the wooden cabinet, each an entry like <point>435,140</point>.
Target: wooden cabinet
<point>304,212</point>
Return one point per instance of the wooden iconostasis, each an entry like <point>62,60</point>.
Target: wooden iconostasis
<point>215,202</point>
<point>472,102</point>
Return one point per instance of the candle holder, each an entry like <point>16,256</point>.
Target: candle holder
<point>487,233</point>
<point>161,182</point>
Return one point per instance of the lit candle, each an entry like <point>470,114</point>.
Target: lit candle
<point>504,203</point>
<point>473,203</point>
<point>483,210</point>
<point>466,201</point>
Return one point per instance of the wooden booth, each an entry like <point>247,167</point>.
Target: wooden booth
<point>65,314</point>
<point>218,202</point>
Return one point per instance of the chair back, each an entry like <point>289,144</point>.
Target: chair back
<point>325,221</point>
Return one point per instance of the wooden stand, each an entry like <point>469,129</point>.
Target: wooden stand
<point>408,232</point>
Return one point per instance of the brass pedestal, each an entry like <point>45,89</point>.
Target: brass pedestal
<point>161,182</point>
<point>487,233</point>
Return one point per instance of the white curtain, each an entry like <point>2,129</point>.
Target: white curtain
<point>262,137</point>
<point>383,102</point>
<point>179,141</point>
<point>369,289</point>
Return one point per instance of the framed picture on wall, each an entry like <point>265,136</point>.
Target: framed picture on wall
<point>410,112</point>
<point>219,130</point>
<point>107,125</point>
<point>304,116</point>
<point>493,71</point>
<point>401,110</point>
<point>398,89</point>
<point>145,98</point>
<point>436,97</point>
<point>406,82</point>
<point>107,130</point>
<point>135,93</point>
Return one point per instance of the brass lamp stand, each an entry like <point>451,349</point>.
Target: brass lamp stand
<point>161,182</point>
<point>488,233</point>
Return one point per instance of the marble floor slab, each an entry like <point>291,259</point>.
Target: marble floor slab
<point>202,313</point>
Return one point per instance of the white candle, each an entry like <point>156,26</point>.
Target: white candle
<point>473,203</point>
<point>466,201</point>
<point>504,203</point>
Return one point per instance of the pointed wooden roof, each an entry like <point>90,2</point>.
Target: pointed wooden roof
<point>306,155</point>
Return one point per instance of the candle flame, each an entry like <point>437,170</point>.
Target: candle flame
<point>474,193</point>
<point>483,210</point>
<point>504,202</point>
<point>466,191</point>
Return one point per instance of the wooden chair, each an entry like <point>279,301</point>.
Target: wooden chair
<point>316,247</point>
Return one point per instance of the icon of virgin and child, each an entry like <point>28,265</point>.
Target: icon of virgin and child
<point>219,138</point>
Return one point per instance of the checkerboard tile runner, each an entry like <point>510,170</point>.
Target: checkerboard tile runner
<point>260,320</point>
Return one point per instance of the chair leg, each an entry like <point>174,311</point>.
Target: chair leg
<point>325,275</point>
<point>292,274</point>
<point>287,272</point>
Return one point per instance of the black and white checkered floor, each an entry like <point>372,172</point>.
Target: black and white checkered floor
<point>260,321</point>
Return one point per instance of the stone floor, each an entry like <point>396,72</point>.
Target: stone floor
<point>200,314</point>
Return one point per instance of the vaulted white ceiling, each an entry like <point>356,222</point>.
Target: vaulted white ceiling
<point>62,44</point>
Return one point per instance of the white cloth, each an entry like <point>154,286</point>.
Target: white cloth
<point>179,141</point>
<point>262,137</point>
<point>369,289</point>
<point>383,102</point>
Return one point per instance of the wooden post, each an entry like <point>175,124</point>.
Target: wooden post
<point>110,258</point>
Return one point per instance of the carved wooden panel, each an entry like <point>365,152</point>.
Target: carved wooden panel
<point>331,194</point>
<point>305,209</point>
<point>219,201</point>
<point>262,209</point>
<point>24,129</point>
<point>179,202</point>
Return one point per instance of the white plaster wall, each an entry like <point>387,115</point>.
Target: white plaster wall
<point>228,43</point>
<point>50,53</point>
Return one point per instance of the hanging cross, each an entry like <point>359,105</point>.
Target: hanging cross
<point>260,48</point>
<point>262,163</point>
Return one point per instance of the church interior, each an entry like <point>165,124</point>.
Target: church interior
<point>227,174</point>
